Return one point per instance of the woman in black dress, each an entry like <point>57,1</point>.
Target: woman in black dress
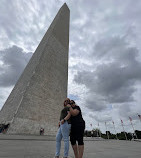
<point>77,129</point>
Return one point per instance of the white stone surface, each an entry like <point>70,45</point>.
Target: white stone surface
<point>37,98</point>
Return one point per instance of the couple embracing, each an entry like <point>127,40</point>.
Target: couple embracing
<point>71,123</point>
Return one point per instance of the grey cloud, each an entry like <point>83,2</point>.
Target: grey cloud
<point>97,12</point>
<point>14,60</point>
<point>117,49</point>
<point>101,117</point>
<point>95,103</point>
<point>127,110</point>
<point>25,23</point>
<point>114,80</point>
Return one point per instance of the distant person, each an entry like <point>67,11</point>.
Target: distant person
<point>63,130</point>
<point>77,129</point>
<point>1,128</point>
<point>4,128</point>
<point>41,131</point>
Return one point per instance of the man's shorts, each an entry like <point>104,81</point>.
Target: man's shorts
<point>77,134</point>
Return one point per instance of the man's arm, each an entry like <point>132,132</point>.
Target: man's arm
<point>73,112</point>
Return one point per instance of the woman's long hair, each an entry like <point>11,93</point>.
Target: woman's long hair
<point>66,102</point>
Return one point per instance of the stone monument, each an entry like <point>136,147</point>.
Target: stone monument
<point>37,98</point>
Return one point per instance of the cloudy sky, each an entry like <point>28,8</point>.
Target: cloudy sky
<point>104,54</point>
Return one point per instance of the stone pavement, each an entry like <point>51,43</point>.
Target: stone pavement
<point>44,147</point>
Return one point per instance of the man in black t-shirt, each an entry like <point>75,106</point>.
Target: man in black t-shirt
<point>77,129</point>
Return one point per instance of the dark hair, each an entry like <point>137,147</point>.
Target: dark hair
<point>73,101</point>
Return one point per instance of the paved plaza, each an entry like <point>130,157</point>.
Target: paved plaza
<point>44,147</point>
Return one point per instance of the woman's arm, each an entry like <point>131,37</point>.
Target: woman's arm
<point>66,118</point>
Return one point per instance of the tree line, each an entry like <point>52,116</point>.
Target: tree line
<point>109,135</point>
